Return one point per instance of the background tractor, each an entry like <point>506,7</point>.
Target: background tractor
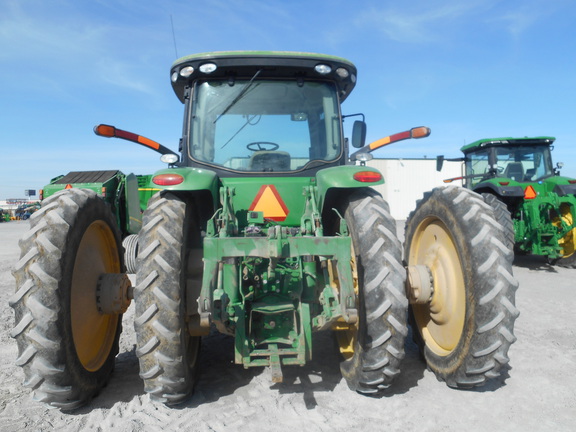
<point>264,228</point>
<point>4,216</point>
<point>535,205</point>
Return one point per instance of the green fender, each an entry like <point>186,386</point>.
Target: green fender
<point>342,177</point>
<point>563,186</point>
<point>502,187</point>
<point>194,179</point>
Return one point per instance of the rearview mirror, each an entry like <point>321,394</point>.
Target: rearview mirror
<point>358,134</point>
<point>439,162</point>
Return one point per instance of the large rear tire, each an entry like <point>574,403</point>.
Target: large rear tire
<point>374,348</point>
<point>504,218</point>
<point>167,353</point>
<point>66,346</point>
<point>466,326</point>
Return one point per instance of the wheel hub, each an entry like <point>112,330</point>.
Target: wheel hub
<point>113,293</point>
<point>419,284</point>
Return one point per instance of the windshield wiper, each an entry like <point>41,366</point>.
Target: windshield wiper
<point>239,96</point>
<point>248,120</point>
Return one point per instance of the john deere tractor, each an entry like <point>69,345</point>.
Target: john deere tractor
<point>4,216</point>
<point>264,227</point>
<point>534,203</point>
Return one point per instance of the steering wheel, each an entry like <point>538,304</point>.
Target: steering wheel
<point>262,145</point>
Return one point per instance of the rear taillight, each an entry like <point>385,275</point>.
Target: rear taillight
<point>367,176</point>
<point>167,179</point>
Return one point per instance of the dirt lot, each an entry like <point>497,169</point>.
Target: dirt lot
<point>537,394</point>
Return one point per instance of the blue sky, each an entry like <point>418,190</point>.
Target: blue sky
<point>467,69</point>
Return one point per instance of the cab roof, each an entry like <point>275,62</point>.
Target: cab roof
<point>272,64</point>
<point>498,142</point>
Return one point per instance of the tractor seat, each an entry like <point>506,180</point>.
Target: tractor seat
<point>529,174</point>
<point>265,160</point>
<point>515,171</point>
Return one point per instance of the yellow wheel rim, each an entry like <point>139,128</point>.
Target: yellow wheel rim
<point>567,243</point>
<point>347,334</point>
<point>93,333</point>
<point>441,321</point>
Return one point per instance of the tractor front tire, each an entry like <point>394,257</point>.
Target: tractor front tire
<point>167,353</point>
<point>466,327</point>
<point>66,347</point>
<point>374,347</point>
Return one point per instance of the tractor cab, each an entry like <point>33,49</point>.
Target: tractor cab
<point>518,159</point>
<point>262,113</point>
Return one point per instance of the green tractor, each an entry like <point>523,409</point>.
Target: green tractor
<point>4,216</point>
<point>535,205</point>
<point>265,228</point>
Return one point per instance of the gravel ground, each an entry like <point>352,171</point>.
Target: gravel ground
<point>538,393</point>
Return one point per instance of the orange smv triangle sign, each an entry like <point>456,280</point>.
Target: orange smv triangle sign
<point>269,202</point>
